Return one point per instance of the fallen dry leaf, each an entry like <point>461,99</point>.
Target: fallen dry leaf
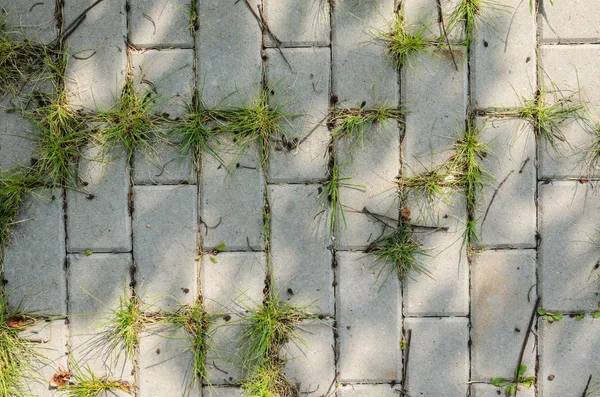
<point>406,213</point>
<point>16,321</point>
<point>60,378</point>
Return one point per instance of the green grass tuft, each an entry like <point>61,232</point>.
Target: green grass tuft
<point>398,252</point>
<point>18,356</point>
<point>87,384</point>
<point>469,13</point>
<point>258,122</point>
<point>331,193</point>
<point>122,332</point>
<point>14,186</point>
<point>430,184</point>
<point>129,124</point>
<point>404,40</point>
<point>592,154</point>
<point>352,124</point>
<point>269,380</point>
<point>194,133</point>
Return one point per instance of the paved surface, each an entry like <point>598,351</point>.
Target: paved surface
<point>468,323</point>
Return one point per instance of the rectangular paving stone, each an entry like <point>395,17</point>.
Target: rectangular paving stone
<point>483,390</point>
<point>368,391</point>
<point>96,284</point>
<point>502,299</point>
<point>569,215</point>
<point>368,322</point>
<point>571,68</point>
<point>160,23</point>
<point>362,70</point>
<point>297,22</point>
<point>98,211</point>
<point>304,94</point>
<point>439,356</point>
<point>167,74</point>
<point>231,199</point>
<point>165,232</point>
<point>299,247</point>
<point>503,63</point>
<point>97,66</point>
<point>17,147</point>
<point>165,165</point>
<point>223,359</point>
<point>446,292</point>
<point>436,97</point>
<point>373,164</point>
<point>233,283</point>
<point>31,19</point>
<point>506,212</point>
<point>51,344</point>
<point>222,49</point>
<point>166,365</point>
<point>34,258</point>
<point>575,22</point>
<point>448,211</point>
<point>569,354</point>
<point>311,363</point>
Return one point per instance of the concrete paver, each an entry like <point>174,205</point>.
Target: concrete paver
<point>160,23</point>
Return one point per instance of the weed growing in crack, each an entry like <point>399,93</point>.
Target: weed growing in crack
<point>403,40</point>
<point>17,356</point>
<point>331,193</point>
<point>194,133</point>
<point>547,112</point>
<point>85,383</point>
<point>192,13</point>
<point>592,154</point>
<point>270,327</point>
<point>14,186</point>
<point>510,385</point>
<point>258,122</point>
<point>430,184</point>
<point>269,380</point>
<point>465,164</point>
<point>352,124</point>
<point>196,321</point>
<point>398,252</point>
<point>21,61</point>
<point>129,124</point>
<point>469,13</point>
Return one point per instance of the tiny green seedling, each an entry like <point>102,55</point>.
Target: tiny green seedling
<point>548,315</point>
<point>398,252</point>
<point>596,314</point>
<point>331,192</point>
<point>579,316</point>
<point>509,384</point>
<point>88,252</point>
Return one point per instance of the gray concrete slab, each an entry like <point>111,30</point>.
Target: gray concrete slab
<point>368,322</point>
<point>165,233</point>
<point>298,22</point>
<point>439,356</point>
<point>160,23</point>
<point>34,259</point>
<point>300,248</point>
<point>563,24</point>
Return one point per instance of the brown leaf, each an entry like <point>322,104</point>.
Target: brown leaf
<point>16,321</point>
<point>60,378</point>
<point>406,213</point>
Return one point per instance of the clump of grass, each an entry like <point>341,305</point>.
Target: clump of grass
<point>399,252</point>
<point>592,155</point>
<point>192,13</point>
<point>14,186</point>
<point>195,135</point>
<point>196,321</point>
<point>258,122</point>
<point>269,328</point>
<point>465,164</point>
<point>430,183</point>
<point>129,124</point>
<point>468,13</point>
<point>352,124</point>
<point>547,112</point>
<point>269,380</point>
<point>331,192</point>
<point>403,40</point>
<point>20,60</point>
<point>87,384</point>
<point>17,356</point>
<point>122,332</point>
